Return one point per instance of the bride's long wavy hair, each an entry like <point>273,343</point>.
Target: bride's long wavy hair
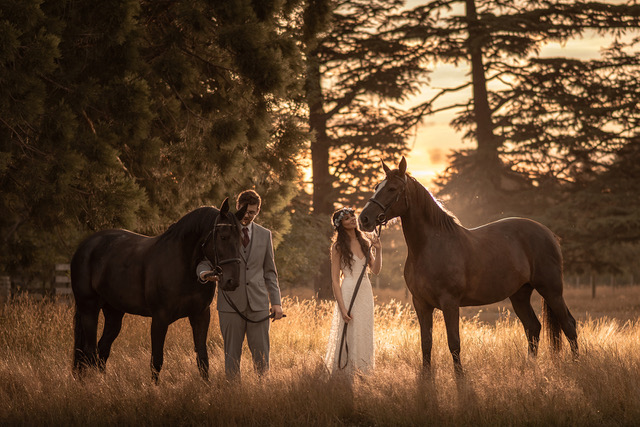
<point>342,240</point>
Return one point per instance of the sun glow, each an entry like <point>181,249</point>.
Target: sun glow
<point>435,139</point>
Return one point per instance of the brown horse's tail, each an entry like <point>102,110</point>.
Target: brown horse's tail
<point>552,325</point>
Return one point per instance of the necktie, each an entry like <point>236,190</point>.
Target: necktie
<point>245,236</point>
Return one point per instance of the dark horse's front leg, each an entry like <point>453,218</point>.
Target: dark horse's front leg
<point>200,327</point>
<point>158,334</point>
<point>451,313</point>
<point>425,318</point>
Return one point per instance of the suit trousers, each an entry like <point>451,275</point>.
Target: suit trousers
<point>234,329</point>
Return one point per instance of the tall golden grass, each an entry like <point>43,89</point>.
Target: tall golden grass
<point>502,385</point>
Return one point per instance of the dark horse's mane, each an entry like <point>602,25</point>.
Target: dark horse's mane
<point>426,203</point>
<point>195,222</point>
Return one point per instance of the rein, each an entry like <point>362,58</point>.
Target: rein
<point>343,342</point>
<point>381,220</point>
<point>245,318</point>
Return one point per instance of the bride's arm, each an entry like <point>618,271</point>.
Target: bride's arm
<point>335,282</point>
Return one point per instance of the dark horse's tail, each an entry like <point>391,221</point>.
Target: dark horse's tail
<point>552,325</point>
<point>80,274</point>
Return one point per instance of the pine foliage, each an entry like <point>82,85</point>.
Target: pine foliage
<point>129,113</point>
<point>561,127</point>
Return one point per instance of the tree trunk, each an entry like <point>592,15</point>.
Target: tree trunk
<point>320,147</point>
<point>487,141</point>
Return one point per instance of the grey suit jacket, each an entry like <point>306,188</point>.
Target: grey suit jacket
<point>258,276</point>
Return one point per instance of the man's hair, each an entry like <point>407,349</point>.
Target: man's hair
<point>249,197</point>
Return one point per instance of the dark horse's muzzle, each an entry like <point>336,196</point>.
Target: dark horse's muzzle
<point>228,284</point>
<point>219,272</point>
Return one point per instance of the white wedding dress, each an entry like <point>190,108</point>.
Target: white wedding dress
<point>359,340</point>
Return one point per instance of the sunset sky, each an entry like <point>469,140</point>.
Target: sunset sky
<point>435,138</point>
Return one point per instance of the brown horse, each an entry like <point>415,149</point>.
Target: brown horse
<point>449,266</point>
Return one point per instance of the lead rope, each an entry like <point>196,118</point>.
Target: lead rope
<point>343,341</point>
<point>245,318</point>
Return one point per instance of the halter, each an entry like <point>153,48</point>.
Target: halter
<point>218,263</point>
<point>381,219</point>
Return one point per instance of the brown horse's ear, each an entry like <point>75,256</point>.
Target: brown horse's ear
<point>224,209</point>
<point>242,211</point>
<point>385,168</point>
<point>403,166</point>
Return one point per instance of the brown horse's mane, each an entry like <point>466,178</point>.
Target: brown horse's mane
<point>425,203</point>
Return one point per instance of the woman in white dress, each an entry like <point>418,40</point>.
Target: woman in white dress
<point>350,252</point>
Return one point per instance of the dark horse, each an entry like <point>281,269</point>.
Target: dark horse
<point>449,266</point>
<point>123,272</point>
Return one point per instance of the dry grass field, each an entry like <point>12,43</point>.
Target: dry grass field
<point>502,385</point>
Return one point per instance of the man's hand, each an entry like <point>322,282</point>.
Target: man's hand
<point>208,276</point>
<point>277,309</point>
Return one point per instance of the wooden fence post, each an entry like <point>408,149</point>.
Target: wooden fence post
<point>593,286</point>
<point>62,280</point>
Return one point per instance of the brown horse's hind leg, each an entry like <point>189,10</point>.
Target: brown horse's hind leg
<point>112,326</point>
<point>567,321</point>
<point>557,311</point>
<point>425,318</point>
<point>521,302</point>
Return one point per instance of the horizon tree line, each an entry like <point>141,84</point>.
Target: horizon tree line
<point>130,113</point>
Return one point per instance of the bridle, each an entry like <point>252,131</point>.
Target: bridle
<point>381,219</point>
<point>216,261</point>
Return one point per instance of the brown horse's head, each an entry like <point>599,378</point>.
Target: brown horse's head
<point>387,202</point>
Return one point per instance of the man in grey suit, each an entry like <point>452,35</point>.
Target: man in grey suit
<point>241,310</point>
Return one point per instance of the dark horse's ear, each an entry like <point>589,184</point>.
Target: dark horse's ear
<point>224,209</point>
<point>242,211</point>
<point>385,168</point>
<point>403,166</point>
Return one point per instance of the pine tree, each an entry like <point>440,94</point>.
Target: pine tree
<point>495,39</point>
<point>137,112</point>
<point>28,51</point>
<point>572,129</point>
<point>357,71</point>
